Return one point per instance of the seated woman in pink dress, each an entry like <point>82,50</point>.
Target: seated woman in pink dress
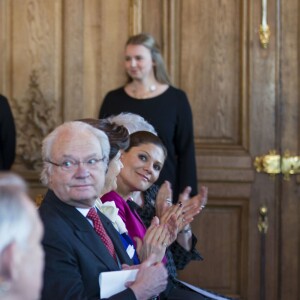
<point>119,140</point>
<point>142,163</point>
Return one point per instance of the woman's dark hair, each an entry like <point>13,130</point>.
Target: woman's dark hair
<point>145,137</point>
<point>118,135</point>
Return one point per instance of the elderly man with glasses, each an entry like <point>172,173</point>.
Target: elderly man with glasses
<point>80,242</point>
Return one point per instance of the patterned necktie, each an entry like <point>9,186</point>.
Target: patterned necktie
<point>100,230</point>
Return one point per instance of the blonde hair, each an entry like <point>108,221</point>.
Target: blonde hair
<point>148,41</point>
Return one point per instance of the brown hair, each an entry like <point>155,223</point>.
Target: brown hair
<point>118,135</point>
<point>145,137</point>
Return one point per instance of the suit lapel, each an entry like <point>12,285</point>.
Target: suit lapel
<point>84,232</point>
<point>92,241</point>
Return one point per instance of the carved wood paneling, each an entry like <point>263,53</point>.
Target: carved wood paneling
<point>34,41</point>
<point>32,78</point>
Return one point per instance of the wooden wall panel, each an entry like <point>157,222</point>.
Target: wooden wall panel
<point>264,80</point>
<point>211,68</point>
<point>161,19</point>
<point>95,34</point>
<point>290,125</point>
<point>112,35</point>
<point>73,29</point>
<point>5,46</point>
<point>152,18</point>
<point>237,90</point>
<point>222,241</point>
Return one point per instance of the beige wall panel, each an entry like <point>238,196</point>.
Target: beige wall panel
<point>113,34</point>
<point>161,18</point>
<point>73,102</point>
<point>152,18</point>
<point>211,68</point>
<point>96,32</point>
<point>5,46</point>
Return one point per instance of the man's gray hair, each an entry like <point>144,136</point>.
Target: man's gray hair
<point>75,126</point>
<point>132,122</point>
<point>15,221</point>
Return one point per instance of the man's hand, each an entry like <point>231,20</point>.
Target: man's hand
<point>150,281</point>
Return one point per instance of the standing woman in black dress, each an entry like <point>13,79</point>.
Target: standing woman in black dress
<point>149,93</point>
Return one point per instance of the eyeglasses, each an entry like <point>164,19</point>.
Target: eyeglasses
<point>72,165</point>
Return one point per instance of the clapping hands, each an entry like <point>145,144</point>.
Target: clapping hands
<point>155,241</point>
<point>183,212</point>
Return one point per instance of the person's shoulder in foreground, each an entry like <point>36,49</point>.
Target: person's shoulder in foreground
<point>21,232</point>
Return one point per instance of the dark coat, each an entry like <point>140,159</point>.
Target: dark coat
<point>74,253</point>
<point>7,135</point>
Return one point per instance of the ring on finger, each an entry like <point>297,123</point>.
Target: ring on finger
<point>164,244</point>
<point>169,201</point>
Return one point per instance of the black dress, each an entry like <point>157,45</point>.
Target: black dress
<point>171,116</point>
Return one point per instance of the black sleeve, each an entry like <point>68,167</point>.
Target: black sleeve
<point>7,135</point>
<point>182,257</point>
<point>185,148</point>
<point>104,109</point>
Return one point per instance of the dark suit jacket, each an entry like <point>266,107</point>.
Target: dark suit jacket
<point>75,255</point>
<point>7,135</point>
